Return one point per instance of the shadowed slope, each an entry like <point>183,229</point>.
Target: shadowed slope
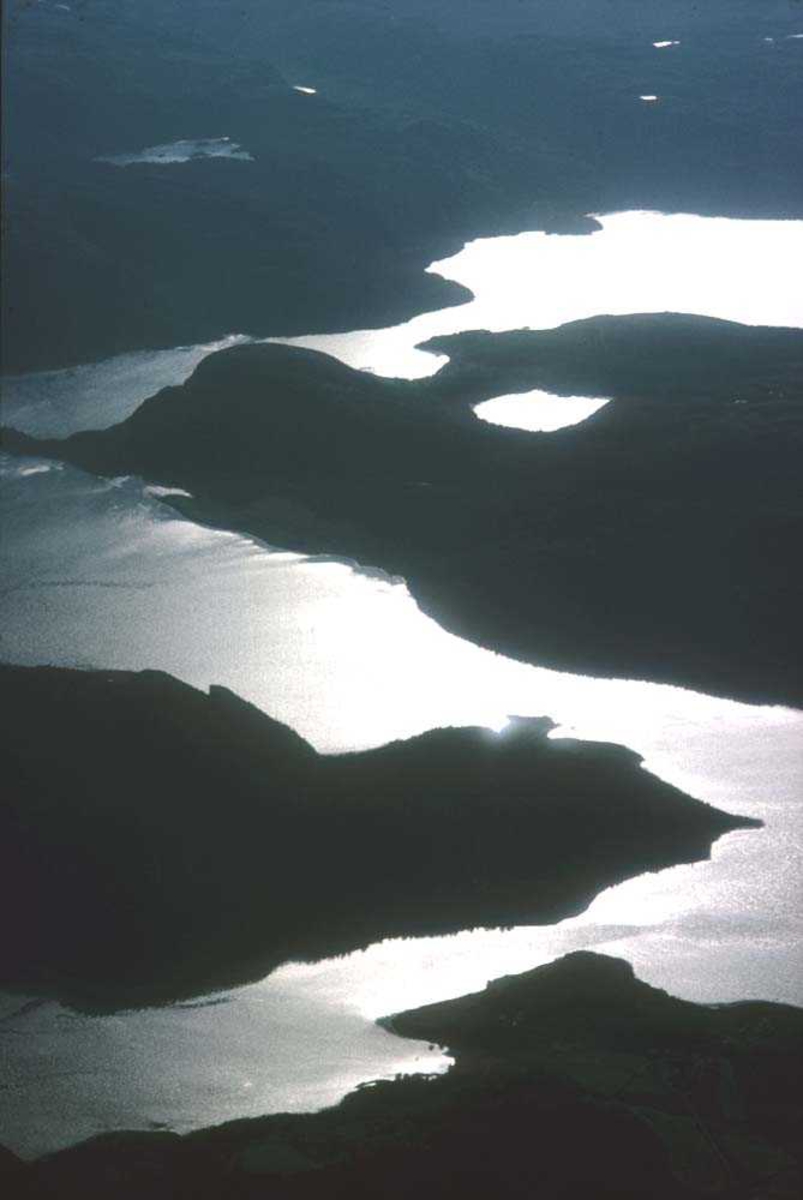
<point>573,1082</point>
<point>655,540</point>
<point>157,841</point>
<point>433,123</point>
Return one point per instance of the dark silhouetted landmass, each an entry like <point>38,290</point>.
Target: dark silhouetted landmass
<point>157,841</point>
<point>574,1081</point>
<point>656,540</point>
<point>435,121</point>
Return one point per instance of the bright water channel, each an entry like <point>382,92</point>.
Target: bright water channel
<point>638,262</point>
<point>103,574</point>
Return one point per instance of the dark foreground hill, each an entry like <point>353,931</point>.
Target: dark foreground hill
<point>156,841</point>
<point>656,540</point>
<point>574,1081</point>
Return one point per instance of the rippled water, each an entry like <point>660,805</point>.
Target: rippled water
<point>272,1047</point>
<point>97,395</point>
<point>102,574</point>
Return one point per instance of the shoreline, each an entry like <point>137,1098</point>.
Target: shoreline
<point>527,835</point>
<point>574,1072</point>
<point>323,459</point>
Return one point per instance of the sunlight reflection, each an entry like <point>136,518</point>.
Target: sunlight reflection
<point>537,411</point>
<point>348,660</point>
<point>639,262</point>
<point>97,395</point>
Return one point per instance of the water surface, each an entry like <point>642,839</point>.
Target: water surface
<point>260,1049</point>
<point>103,574</point>
<point>97,395</point>
<point>637,262</point>
<point>537,411</point>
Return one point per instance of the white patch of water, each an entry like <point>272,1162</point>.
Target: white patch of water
<point>154,489</point>
<point>537,411</point>
<point>737,270</point>
<point>182,151</point>
<point>639,262</point>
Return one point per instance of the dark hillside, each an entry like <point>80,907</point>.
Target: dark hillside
<point>574,1081</point>
<point>157,841</point>
<point>656,540</point>
<point>433,123</point>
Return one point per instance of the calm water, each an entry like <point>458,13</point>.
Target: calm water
<point>737,270</point>
<point>103,574</point>
<point>638,262</point>
<point>537,411</point>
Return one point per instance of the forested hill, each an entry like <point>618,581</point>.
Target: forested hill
<point>432,122</point>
